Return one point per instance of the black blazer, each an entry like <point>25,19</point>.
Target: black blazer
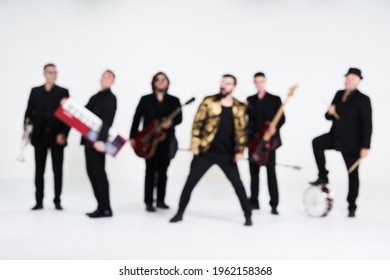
<point>40,113</point>
<point>353,131</point>
<point>149,109</point>
<point>103,105</point>
<point>261,111</point>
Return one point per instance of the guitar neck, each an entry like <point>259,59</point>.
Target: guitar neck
<point>171,116</point>
<point>279,113</point>
<point>276,119</point>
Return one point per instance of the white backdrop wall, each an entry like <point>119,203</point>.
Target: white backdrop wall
<point>311,43</point>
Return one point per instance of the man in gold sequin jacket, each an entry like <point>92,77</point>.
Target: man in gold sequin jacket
<point>218,137</point>
<point>207,121</point>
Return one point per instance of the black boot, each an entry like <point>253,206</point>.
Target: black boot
<point>100,214</point>
<point>274,211</point>
<point>320,181</point>
<point>162,205</point>
<point>58,206</point>
<point>150,208</point>
<point>177,218</point>
<point>38,206</point>
<point>93,213</point>
<point>351,214</point>
<point>248,221</point>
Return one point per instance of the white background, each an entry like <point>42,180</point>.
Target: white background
<point>311,43</point>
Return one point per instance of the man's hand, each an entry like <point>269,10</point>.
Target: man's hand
<point>332,110</point>
<point>24,135</point>
<point>100,146</point>
<point>238,156</point>
<point>133,143</point>
<point>272,130</point>
<point>363,152</point>
<point>195,152</point>
<point>61,139</point>
<point>166,124</point>
<point>63,100</point>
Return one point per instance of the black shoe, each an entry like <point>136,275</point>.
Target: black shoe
<point>274,211</point>
<point>351,214</point>
<point>150,208</point>
<point>248,221</point>
<point>162,205</point>
<point>93,213</point>
<point>177,218</point>
<point>320,181</point>
<point>58,206</point>
<point>100,214</point>
<point>254,204</point>
<point>38,206</point>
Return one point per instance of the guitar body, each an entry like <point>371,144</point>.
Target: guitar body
<point>264,144</point>
<point>148,139</point>
<point>259,150</point>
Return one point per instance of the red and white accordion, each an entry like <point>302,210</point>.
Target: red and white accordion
<point>88,124</point>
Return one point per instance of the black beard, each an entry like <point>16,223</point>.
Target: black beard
<point>224,94</point>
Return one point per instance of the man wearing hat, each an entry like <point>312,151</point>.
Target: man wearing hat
<point>350,134</point>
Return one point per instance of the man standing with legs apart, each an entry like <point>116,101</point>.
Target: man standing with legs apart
<point>48,133</point>
<point>218,137</point>
<point>102,104</point>
<point>262,108</point>
<point>156,107</point>
<point>350,134</point>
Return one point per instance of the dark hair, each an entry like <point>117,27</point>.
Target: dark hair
<point>259,74</point>
<point>154,79</point>
<point>230,76</point>
<point>111,72</point>
<point>48,65</point>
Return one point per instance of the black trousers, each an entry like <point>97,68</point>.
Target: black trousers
<point>326,142</point>
<point>271,178</point>
<point>200,164</point>
<point>95,162</point>
<point>57,158</point>
<point>156,173</point>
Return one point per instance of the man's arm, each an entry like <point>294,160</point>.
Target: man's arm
<point>136,119</point>
<point>365,115</point>
<point>197,127</point>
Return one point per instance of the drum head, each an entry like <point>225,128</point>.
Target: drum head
<point>318,201</point>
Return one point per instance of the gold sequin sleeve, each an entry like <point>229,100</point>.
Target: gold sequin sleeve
<point>198,124</point>
<point>240,125</point>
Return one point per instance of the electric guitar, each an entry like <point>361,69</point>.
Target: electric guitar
<point>264,142</point>
<point>147,140</point>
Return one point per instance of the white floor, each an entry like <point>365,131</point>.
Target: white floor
<point>212,227</point>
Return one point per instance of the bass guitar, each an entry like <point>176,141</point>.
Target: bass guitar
<point>264,142</point>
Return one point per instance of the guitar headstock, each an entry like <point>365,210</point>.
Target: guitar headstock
<point>292,90</point>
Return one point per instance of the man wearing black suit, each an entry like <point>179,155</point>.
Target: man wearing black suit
<point>350,134</point>
<point>261,108</point>
<point>157,106</point>
<point>103,105</point>
<point>48,133</point>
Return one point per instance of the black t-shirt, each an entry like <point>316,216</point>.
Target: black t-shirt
<point>223,142</point>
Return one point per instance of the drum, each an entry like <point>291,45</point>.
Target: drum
<point>318,201</point>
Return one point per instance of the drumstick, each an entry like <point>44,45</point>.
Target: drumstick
<point>336,116</point>
<point>354,166</point>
